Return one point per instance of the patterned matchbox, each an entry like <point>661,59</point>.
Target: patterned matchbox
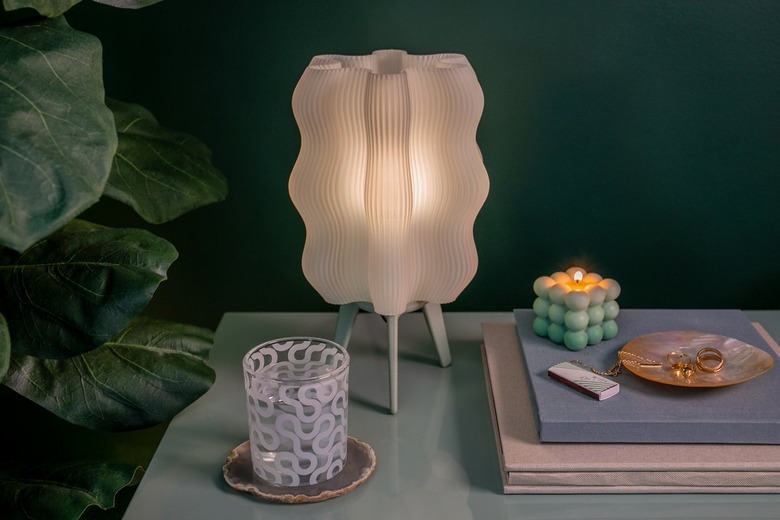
<point>583,380</point>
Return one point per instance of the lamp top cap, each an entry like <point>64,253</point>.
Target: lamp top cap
<point>389,61</point>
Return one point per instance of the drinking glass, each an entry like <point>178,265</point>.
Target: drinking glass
<point>297,396</point>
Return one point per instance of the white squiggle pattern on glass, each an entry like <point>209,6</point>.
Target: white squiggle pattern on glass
<point>297,407</point>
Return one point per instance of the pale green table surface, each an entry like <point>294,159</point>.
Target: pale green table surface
<point>436,458</point>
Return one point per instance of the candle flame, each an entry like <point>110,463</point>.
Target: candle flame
<point>578,276</point>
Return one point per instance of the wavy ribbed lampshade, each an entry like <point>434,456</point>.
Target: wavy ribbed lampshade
<point>389,179</point>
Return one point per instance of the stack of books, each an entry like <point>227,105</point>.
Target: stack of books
<point>649,437</point>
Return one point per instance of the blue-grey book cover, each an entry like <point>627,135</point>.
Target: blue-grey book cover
<point>646,411</point>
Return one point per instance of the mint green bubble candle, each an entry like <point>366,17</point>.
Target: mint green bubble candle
<point>576,308</point>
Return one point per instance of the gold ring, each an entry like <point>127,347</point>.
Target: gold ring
<point>681,364</point>
<point>710,360</point>
<point>677,358</point>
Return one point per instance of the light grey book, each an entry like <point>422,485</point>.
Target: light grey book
<point>645,410</point>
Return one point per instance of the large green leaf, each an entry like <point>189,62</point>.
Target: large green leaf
<point>128,4</point>
<point>148,374</point>
<point>57,7</point>
<point>79,287</point>
<point>57,136</point>
<point>62,491</point>
<point>5,347</point>
<point>48,8</point>
<point>161,173</point>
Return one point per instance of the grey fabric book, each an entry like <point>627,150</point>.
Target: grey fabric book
<point>529,466</point>
<point>646,411</point>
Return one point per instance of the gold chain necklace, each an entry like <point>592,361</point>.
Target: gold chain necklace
<point>624,358</point>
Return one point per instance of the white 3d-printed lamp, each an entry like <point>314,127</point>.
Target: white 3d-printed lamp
<point>388,182</point>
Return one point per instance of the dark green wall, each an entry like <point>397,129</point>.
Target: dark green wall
<point>639,138</point>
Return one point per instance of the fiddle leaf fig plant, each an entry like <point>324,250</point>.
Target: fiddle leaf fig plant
<point>53,8</point>
<point>73,340</point>
<point>105,276</point>
<point>144,376</point>
<point>65,491</point>
<point>159,172</point>
<point>57,136</point>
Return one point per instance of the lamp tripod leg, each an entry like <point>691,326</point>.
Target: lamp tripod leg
<point>435,320</point>
<point>392,354</point>
<point>345,322</point>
